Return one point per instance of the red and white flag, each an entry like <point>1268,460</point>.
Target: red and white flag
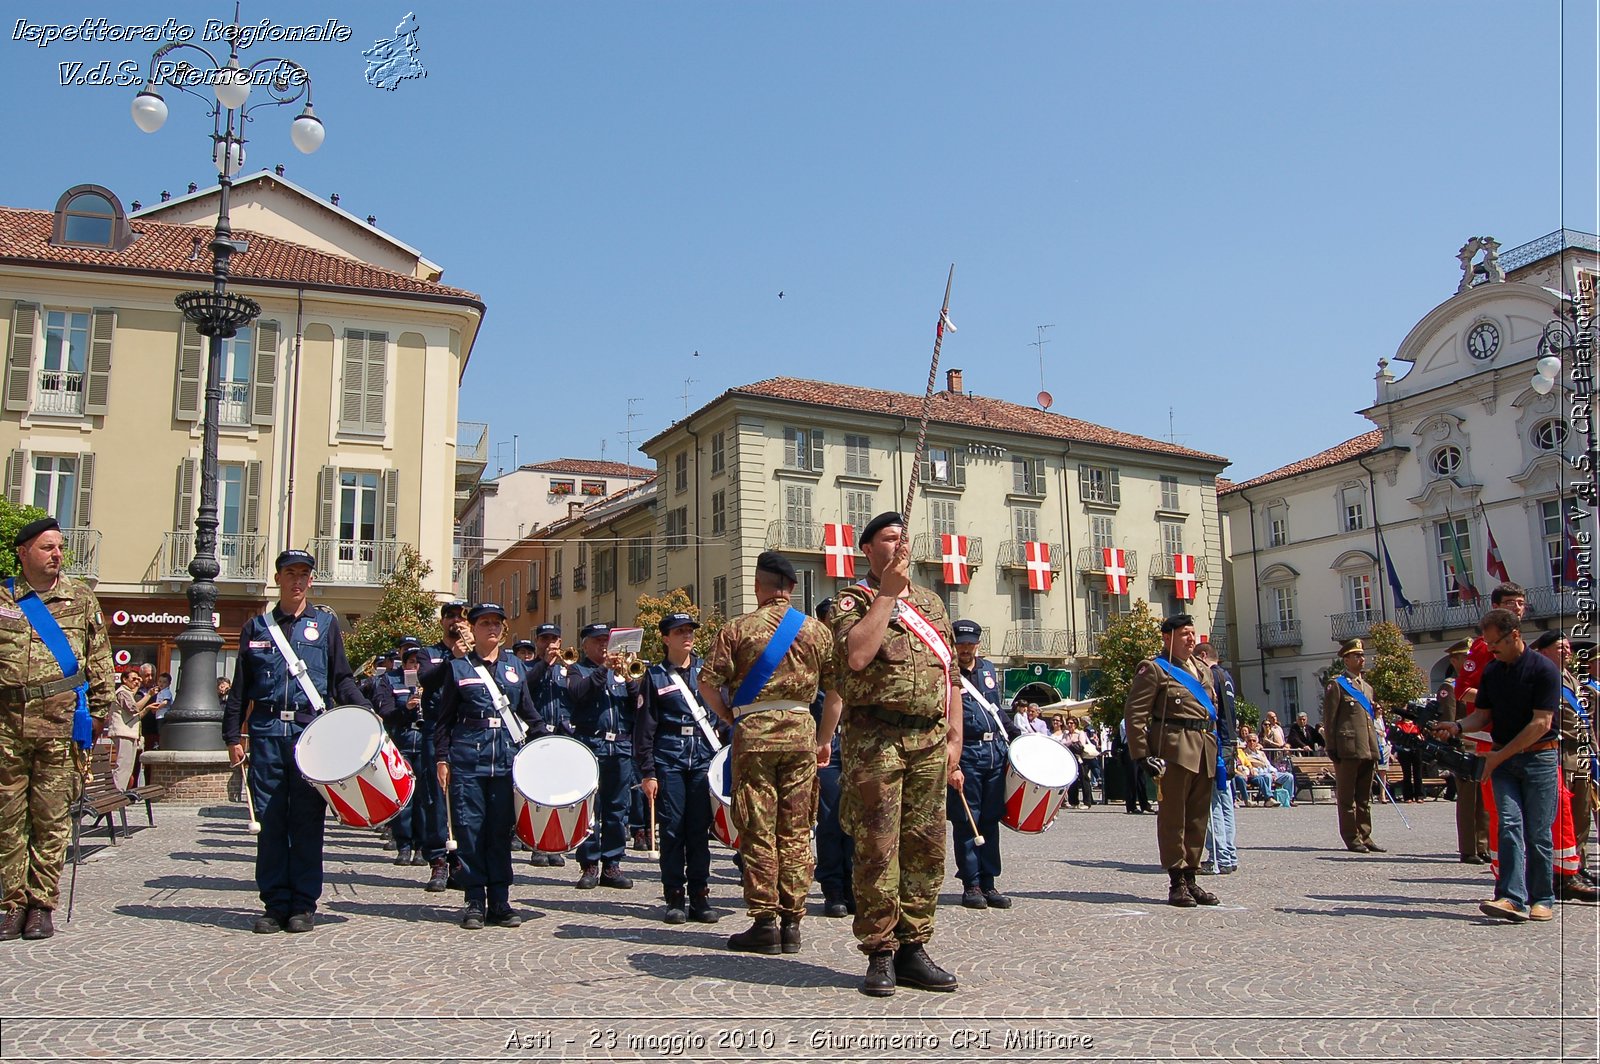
<point>839,544</point>
<point>954,549</point>
<point>1496,565</point>
<point>1037,558</point>
<point>1116,562</point>
<point>1183,576</point>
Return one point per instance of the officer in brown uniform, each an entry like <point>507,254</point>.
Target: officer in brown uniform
<point>1172,730</point>
<point>39,771</point>
<point>1351,732</point>
<point>901,744</point>
<point>771,662</point>
<point>1472,820</point>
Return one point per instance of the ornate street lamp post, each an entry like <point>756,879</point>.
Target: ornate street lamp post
<point>193,723</point>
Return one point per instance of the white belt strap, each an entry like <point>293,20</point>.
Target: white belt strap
<point>297,668</point>
<point>972,690</point>
<point>775,704</point>
<point>696,708</point>
<point>502,706</point>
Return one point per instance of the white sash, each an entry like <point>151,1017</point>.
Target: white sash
<point>297,668</point>
<point>695,707</point>
<point>502,706</point>
<point>972,690</point>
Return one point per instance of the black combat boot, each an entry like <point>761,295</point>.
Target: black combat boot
<point>789,936</point>
<point>700,910</point>
<point>677,907</point>
<point>404,856</point>
<point>611,876</point>
<point>1198,893</point>
<point>913,967</point>
<point>590,876</point>
<point>762,937</point>
<point>833,904</point>
<point>1178,891</point>
<point>880,975</point>
<point>439,876</point>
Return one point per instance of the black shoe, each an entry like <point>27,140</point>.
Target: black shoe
<point>1178,891</point>
<point>11,926</point>
<point>1357,847</point>
<point>611,876</point>
<point>439,877</point>
<point>300,923</point>
<point>420,858</point>
<point>1373,847</point>
<point>1567,889</point>
<point>506,917</point>
<point>995,899</point>
<point>700,910</point>
<point>640,842</point>
<point>404,856</point>
<point>833,905</point>
<point>789,936</point>
<point>677,908</point>
<point>517,845</point>
<point>1483,855</point>
<point>913,967</point>
<point>472,919</point>
<point>1588,877</point>
<point>266,924</point>
<point>880,978</point>
<point>388,842</point>
<point>972,898</point>
<point>763,936</point>
<point>1200,895</point>
<point>1472,859</point>
<point>539,860</point>
<point>590,877</point>
<point>557,861</point>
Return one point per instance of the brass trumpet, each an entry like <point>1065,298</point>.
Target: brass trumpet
<point>569,655</point>
<point>630,665</point>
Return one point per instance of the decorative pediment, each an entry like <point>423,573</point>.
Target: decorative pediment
<point>1438,427</point>
<point>1279,573</point>
<point>1355,559</point>
<point>1445,494</point>
<point>1543,475</point>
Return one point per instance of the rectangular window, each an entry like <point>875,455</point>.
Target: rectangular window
<point>639,560</point>
<point>366,373</point>
<point>1102,606</point>
<point>1277,525</point>
<point>583,616</point>
<point>951,594</point>
<point>563,487</point>
<point>805,592</point>
<point>858,509</point>
<point>1358,595</point>
<point>1172,537</point>
<point>797,515</point>
<point>718,452</point>
<point>1452,582</point>
<point>1102,532</point>
<point>1100,484</point>
<point>1029,608</point>
<point>945,467</point>
<point>1024,523</point>
<point>515,605</point>
<point>1554,534</point>
<point>719,596</point>
<point>55,487</point>
<point>942,517</point>
<point>1027,475</point>
<point>802,448</point>
<point>1289,688</point>
<point>238,356</point>
<point>1354,510</point>
<point>680,472</point>
<point>605,570</point>
<point>1169,492</point>
<point>66,354</point>
<point>358,507</point>
<point>594,489</point>
<point>719,512</point>
<point>677,532</point>
<point>857,456</point>
<point>1283,606</point>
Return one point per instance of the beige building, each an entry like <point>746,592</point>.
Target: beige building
<point>338,424</point>
<point>772,464</point>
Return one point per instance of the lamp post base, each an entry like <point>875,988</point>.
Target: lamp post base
<point>190,776</point>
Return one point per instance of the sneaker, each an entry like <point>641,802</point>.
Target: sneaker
<point>995,899</point>
<point>611,876</point>
<point>1540,913</point>
<point>1504,909</point>
<point>590,876</point>
<point>762,936</point>
<point>913,967</point>
<point>300,923</point>
<point>472,918</point>
<point>973,898</point>
<point>880,980</point>
<point>1227,870</point>
<point>439,878</point>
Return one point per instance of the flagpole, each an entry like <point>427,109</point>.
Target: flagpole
<point>927,400</point>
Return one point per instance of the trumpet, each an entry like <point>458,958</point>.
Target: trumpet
<point>569,655</point>
<point>630,665</point>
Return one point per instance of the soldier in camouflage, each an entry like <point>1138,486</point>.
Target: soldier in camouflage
<point>776,749</point>
<point>39,772</point>
<point>902,741</point>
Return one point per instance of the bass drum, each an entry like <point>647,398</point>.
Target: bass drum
<point>721,788</point>
<point>346,754</point>
<point>1038,772</point>
<point>553,782</point>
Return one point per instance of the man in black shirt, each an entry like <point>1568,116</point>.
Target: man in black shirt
<point>1517,699</point>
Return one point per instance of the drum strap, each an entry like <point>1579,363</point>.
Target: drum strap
<point>972,690</point>
<point>297,668</point>
<point>695,707</point>
<point>502,705</point>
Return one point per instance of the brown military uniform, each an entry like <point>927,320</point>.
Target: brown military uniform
<point>1576,745</point>
<point>1165,720</point>
<point>774,756</point>
<point>1353,744</point>
<point>38,773</point>
<point>894,772</point>
<point>1472,821</point>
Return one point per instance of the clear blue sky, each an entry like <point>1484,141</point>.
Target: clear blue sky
<point>1227,209</point>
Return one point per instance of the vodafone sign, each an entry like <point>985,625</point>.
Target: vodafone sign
<point>124,619</point>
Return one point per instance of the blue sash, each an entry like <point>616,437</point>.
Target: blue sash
<point>1196,688</point>
<point>767,663</point>
<point>55,640</point>
<point>1355,692</point>
<point>1577,707</point>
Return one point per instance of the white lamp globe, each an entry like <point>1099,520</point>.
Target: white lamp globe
<point>1542,385</point>
<point>149,110</point>
<point>233,85</point>
<point>1548,367</point>
<point>307,131</point>
<point>235,157</point>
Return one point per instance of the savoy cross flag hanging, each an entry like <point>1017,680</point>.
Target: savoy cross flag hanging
<point>1116,563</point>
<point>954,549</point>
<point>1037,558</point>
<point>1183,576</point>
<point>838,543</point>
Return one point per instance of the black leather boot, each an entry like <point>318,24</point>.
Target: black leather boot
<point>913,967</point>
<point>789,934</point>
<point>1198,893</point>
<point>1178,891</point>
<point>880,975</point>
<point>762,937</point>
<point>677,908</point>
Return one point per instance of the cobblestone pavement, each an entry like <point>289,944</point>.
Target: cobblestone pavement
<point>1315,954</point>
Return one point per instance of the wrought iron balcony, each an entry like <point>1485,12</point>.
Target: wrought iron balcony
<point>1352,625</point>
<point>794,535</point>
<point>1014,555</point>
<point>1441,616</point>
<point>1219,640</point>
<point>1277,634</point>
<point>242,557</point>
<point>580,578</point>
<point>82,547</point>
<point>1091,644</point>
<point>1548,602</point>
<point>555,587</point>
<point>59,392</point>
<point>1092,560</point>
<point>1164,567</point>
<point>1038,643</point>
<point>926,550</point>
<point>355,561</point>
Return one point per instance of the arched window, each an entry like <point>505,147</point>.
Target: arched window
<point>1445,461</point>
<point>91,216</point>
<point>1549,435</point>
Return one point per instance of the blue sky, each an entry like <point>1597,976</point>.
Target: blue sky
<point>1228,210</point>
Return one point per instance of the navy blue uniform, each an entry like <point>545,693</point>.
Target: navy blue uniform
<point>269,701</point>
<point>603,719</point>
<point>549,685</point>
<point>469,733</point>
<point>420,825</point>
<point>835,850</point>
<point>669,747</point>
<point>984,748</point>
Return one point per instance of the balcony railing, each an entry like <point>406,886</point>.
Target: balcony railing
<point>555,587</point>
<point>1092,560</point>
<point>241,557</point>
<point>794,535</point>
<point>355,561</point>
<point>1038,643</point>
<point>1276,634</point>
<point>1091,644</point>
<point>59,392</point>
<point>235,407</point>
<point>925,550</point>
<point>1163,567</point>
<point>82,547</point>
<point>1014,555</point>
<point>1441,616</point>
<point>1220,642</point>
<point>1545,602</point>
<point>580,577</point>
<point>1352,625</point>
<point>472,441</point>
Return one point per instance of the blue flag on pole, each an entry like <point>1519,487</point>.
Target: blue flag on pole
<point>1400,600</point>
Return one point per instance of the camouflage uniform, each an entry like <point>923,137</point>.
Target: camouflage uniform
<point>38,773</point>
<point>774,757</point>
<point>892,797</point>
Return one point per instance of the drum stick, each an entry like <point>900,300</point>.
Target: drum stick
<point>249,799</point>
<point>655,851</point>
<point>977,836</point>
<point>449,825</point>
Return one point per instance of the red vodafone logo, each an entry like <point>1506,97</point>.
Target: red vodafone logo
<point>119,618</point>
<point>122,657</point>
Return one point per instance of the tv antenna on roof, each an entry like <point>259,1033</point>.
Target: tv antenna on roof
<point>1044,397</point>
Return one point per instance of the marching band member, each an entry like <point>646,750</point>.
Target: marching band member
<point>547,678</point>
<point>432,672</point>
<point>986,731</point>
<point>419,829</point>
<point>485,712</point>
<point>291,666</point>
<point>603,702</point>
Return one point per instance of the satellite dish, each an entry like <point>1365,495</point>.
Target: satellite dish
<point>1045,399</point>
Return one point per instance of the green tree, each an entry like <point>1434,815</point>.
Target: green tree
<point>404,609</point>
<point>1128,640</point>
<point>12,518</point>
<point>651,608</point>
<point>1247,712</point>
<point>1392,669</point>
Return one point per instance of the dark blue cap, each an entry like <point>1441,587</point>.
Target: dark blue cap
<point>409,652</point>
<point>591,630</point>
<point>384,655</point>
<point>295,557</point>
<point>547,629</point>
<point>28,532</point>
<point>485,609</point>
<point>519,644</point>
<point>409,641</point>
<point>878,524</point>
<point>676,620</point>
<point>453,604</point>
<point>967,631</point>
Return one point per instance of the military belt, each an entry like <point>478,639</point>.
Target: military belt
<point>1185,723</point>
<point>19,696</point>
<point>898,719</point>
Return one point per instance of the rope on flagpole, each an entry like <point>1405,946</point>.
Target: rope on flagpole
<point>927,399</point>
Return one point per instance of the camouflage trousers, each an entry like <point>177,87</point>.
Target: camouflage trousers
<point>774,807</point>
<point>38,778</point>
<point>892,802</point>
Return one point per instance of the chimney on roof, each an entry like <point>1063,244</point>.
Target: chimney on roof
<point>1384,379</point>
<point>372,219</point>
<point>952,381</point>
<point>193,187</point>
<point>573,509</point>
<point>165,195</point>
<point>278,169</point>
<point>194,250</point>
<point>334,199</point>
<point>137,205</point>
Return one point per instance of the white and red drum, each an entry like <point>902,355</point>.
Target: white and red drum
<point>1038,772</point>
<point>348,757</point>
<point>553,782</point>
<point>721,787</point>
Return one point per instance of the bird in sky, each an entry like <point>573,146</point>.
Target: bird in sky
<point>780,295</point>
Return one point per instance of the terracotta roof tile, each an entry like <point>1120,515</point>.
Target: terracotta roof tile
<point>1365,443</point>
<point>163,248</point>
<point>973,411</point>
<point>587,467</point>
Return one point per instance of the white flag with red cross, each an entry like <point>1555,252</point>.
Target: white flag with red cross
<point>839,544</point>
<point>1183,576</point>
<point>1037,558</point>
<point>1116,562</point>
<point>954,549</point>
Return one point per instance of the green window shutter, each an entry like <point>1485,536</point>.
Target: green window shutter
<point>1038,476</point>
<point>960,480</point>
<point>377,376</point>
<point>252,498</point>
<point>327,488</point>
<point>390,528</point>
<point>183,515</point>
<point>16,476</point>
<point>191,362</point>
<point>355,370</point>
<point>264,374</point>
<point>82,515</point>
<point>816,450</point>
<point>19,367</point>
<point>97,382</point>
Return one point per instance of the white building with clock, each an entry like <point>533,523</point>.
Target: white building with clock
<point>1469,443</point>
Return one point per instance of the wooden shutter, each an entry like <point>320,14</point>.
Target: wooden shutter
<point>16,476</point>
<point>355,368</point>
<point>377,376</point>
<point>19,366</point>
<point>1038,476</point>
<point>97,378</point>
<point>191,361</point>
<point>327,489</point>
<point>264,374</point>
<point>1114,482</point>
<point>252,499</point>
<point>816,450</point>
<point>81,517</point>
<point>390,514</point>
<point>959,458</point>
<point>183,515</point>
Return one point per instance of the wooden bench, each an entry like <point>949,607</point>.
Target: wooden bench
<point>99,801</point>
<point>1432,786</point>
<point>1313,776</point>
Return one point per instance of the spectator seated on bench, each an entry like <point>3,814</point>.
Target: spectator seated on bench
<point>1273,783</point>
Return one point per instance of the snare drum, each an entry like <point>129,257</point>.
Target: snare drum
<point>1038,772</point>
<point>721,788</point>
<point>553,781</point>
<point>346,754</point>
